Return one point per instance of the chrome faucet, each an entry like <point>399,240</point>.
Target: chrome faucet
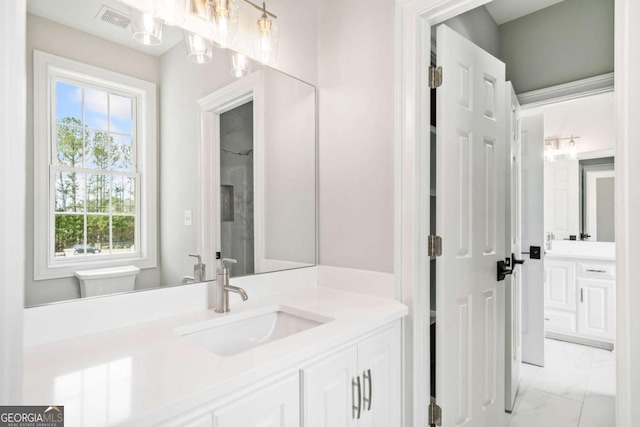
<point>223,274</point>
<point>199,270</point>
<point>548,241</point>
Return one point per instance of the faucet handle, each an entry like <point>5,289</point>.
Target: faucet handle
<point>197,256</point>
<point>229,260</point>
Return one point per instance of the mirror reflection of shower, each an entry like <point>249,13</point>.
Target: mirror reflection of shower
<point>236,189</point>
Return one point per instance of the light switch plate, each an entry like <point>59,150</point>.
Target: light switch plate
<point>188,218</point>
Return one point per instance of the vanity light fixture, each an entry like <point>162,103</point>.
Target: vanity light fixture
<point>266,42</point>
<point>239,64</point>
<point>171,12</point>
<point>552,148</point>
<point>199,48</point>
<point>223,16</point>
<point>146,28</point>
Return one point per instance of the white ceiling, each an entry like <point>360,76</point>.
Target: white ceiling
<point>507,10</point>
<point>590,118</point>
<point>82,15</point>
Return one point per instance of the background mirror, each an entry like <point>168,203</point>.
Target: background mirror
<point>578,175</point>
<point>216,191</point>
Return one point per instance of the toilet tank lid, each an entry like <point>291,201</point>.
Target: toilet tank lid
<point>105,273</point>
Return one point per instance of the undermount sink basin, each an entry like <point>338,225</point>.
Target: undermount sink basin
<point>238,333</point>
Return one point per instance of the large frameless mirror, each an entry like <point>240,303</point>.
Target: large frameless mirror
<point>153,150</point>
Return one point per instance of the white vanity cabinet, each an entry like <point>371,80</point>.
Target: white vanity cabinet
<point>274,406</point>
<point>580,299</point>
<point>359,386</point>
<point>324,389</point>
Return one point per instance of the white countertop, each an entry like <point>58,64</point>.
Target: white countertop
<point>578,255</point>
<point>604,251</point>
<point>146,373</point>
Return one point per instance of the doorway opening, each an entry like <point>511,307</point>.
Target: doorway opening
<point>530,290</point>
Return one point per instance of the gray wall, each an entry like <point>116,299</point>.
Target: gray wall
<point>51,37</point>
<point>183,84</point>
<point>569,41</point>
<point>478,26</point>
<point>356,84</point>
<point>605,211</point>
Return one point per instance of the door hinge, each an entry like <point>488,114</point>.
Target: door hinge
<point>435,415</point>
<point>435,77</point>
<point>434,244</point>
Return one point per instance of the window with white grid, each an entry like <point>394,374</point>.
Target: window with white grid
<point>97,129</point>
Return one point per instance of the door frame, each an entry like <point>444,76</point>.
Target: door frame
<point>240,92</point>
<point>13,186</point>
<point>414,19</point>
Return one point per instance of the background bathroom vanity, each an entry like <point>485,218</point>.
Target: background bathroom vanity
<point>579,202</point>
<point>229,162</point>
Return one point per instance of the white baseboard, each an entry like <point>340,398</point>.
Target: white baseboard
<point>361,281</point>
<point>579,340</point>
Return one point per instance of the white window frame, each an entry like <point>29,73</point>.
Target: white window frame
<point>47,69</point>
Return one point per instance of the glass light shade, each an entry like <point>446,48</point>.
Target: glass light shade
<point>199,48</point>
<point>266,42</point>
<point>223,16</point>
<point>171,12</point>
<point>239,64</point>
<point>146,28</point>
<point>550,152</point>
<point>572,153</point>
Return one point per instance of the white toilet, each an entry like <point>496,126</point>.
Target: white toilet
<point>105,281</point>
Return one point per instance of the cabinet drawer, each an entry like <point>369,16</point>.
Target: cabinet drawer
<point>597,270</point>
<point>559,321</point>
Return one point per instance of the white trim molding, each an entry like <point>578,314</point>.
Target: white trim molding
<point>46,69</point>
<point>568,91</point>
<point>13,123</point>
<point>627,66</point>
<point>246,89</point>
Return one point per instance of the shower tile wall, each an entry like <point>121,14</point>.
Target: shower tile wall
<point>236,164</point>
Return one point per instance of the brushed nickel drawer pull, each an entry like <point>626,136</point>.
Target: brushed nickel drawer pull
<point>357,409</point>
<point>595,271</point>
<point>367,378</point>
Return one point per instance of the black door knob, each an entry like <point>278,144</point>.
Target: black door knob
<point>503,271</point>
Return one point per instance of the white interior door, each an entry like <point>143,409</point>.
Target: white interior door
<point>470,218</point>
<point>513,227</point>
<point>532,144</point>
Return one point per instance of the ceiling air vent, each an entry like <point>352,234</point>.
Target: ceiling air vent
<point>114,17</point>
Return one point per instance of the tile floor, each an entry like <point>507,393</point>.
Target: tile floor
<point>576,388</point>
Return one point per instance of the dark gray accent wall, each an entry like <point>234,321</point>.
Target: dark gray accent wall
<point>478,26</point>
<point>569,41</point>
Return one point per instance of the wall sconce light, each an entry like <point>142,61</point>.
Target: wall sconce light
<point>199,48</point>
<point>171,12</point>
<point>239,64</point>
<point>266,43</point>
<point>223,15</point>
<point>146,28</point>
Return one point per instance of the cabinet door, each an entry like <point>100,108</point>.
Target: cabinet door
<point>380,373</point>
<point>596,313</point>
<point>276,405</point>
<point>560,285</point>
<point>329,394</point>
